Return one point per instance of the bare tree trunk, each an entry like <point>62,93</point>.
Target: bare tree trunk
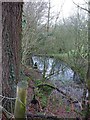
<point>88,70</point>
<point>48,22</point>
<point>0,54</point>
<point>11,46</point>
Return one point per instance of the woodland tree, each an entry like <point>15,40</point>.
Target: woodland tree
<point>33,16</point>
<point>11,47</point>
<point>88,69</point>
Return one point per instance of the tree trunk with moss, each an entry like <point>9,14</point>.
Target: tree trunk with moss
<point>11,46</point>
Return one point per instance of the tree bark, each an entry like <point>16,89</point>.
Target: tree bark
<point>0,54</point>
<point>11,46</point>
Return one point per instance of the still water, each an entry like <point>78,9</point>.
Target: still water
<point>58,69</point>
<point>61,75</point>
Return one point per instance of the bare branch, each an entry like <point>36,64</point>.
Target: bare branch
<point>58,14</point>
<point>86,2</point>
<point>81,7</point>
<point>63,93</point>
<point>8,114</point>
<point>7,97</point>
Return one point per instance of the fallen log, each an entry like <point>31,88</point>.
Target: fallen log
<point>47,117</point>
<point>42,117</point>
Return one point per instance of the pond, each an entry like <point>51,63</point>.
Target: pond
<point>55,69</point>
<point>61,75</point>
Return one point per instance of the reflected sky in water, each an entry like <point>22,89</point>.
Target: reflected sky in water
<point>59,69</point>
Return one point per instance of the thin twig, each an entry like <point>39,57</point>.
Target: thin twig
<point>8,114</point>
<point>7,97</point>
<point>53,87</point>
<point>81,7</point>
<point>2,99</point>
<point>21,101</point>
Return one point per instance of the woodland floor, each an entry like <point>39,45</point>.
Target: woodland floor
<point>53,107</point>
